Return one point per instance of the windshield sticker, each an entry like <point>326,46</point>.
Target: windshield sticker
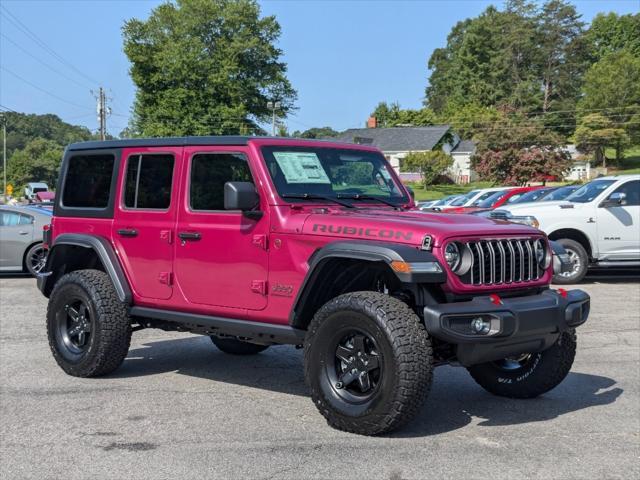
<point>301,167</point>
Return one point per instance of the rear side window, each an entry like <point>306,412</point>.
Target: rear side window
<point>209,173</point>
<point>148,182</point>
<point>88,181</point>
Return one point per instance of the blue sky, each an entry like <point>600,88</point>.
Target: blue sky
<point>344,56</point>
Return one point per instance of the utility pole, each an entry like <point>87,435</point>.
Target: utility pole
<point>102,110</point>
<point>4,155</point>
<point>273,106</point>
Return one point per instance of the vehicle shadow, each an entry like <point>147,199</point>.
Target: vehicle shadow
<point>455,400</point>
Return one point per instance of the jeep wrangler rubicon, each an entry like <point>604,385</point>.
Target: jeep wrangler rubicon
<point>262,241</point>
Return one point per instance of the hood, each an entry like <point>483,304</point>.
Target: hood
<point>408,227</point>
<point>533,208</point>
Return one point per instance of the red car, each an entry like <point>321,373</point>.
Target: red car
<point>264,241</point>
<point>503,197</point>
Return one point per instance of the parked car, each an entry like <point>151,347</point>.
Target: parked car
<point>533,196</point>
<point>33,188</point>
<point>21,235</point>
<point>559,193</point>
<point>443,202</point>
<point>473,198</point>
<point>263,241</point>
<point>495,200</point>
<point>598,224</point>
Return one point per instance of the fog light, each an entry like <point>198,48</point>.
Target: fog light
<point>480,326</point>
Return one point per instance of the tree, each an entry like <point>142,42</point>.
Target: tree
<point>38,161</point>
<point>516,150</point>
<point>612,87</point>
<point>595,132</point>
<point>392,115</point>
<point>316,132</point>
<point>430,164</point>
<point>611,33</point>
<point>563,51</point>
<point>205,67</point>
<point>468,119</point>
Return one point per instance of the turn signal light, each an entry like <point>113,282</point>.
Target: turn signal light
<point>400,267</point>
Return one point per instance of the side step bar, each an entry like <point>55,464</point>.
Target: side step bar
<point>257,331</point>
<point>616,264</point>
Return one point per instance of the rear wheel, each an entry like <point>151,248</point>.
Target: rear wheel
<point>530,374</point>
<point>35,259</point>
<point>368,361</point>
<point>88,327</point>
<point>237,347</point>
<point>579,261</point>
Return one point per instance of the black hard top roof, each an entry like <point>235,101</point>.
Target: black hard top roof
<point>177,142</point>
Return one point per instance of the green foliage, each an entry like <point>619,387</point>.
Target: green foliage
<point>356,173</point>
<point>316,132</point>
<point>38,161</point>
<point>430,164</point>
<point>611,33</point>
<point>391,115</point>
<point>468,119</point>
<point>205,67</point>
<point>435,192</point>
<point>595,132</point>
<point>516,150</point>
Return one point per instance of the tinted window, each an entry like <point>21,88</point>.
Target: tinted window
<point>88,181</point>
<point>9,219</point>
<point>632,191</point>
<point>590,191</point>
<point>25,220</point>
<point>148,183</point>
<point>559,194</point>
<point>209,173</point>
<point>490,200</point>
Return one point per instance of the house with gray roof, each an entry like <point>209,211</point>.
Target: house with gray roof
<point>397,142</point>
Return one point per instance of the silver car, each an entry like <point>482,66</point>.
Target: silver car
<point>21,234</point>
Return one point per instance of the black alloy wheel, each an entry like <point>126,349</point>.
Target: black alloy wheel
<point>73,329</point>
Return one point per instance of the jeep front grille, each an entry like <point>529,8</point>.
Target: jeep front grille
<point>503,261</point>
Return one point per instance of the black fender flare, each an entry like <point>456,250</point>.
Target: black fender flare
<point>102,248</point>
<point>560,259</point>
<point>381,252</point>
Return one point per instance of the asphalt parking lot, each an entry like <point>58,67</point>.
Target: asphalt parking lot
<point>179,408</point>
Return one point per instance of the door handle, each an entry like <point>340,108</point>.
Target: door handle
<point>22,232</point>
<point>190,235</point>
<point>128,232</point>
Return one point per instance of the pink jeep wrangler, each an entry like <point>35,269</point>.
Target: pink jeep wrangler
<point>263,241</point>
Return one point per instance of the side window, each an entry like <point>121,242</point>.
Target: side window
<point>25,220</point>
<point>632,191</point>
<point>88,181</point>
<point>9,219</point>
<point>209,173</point>
<point>148,181</point>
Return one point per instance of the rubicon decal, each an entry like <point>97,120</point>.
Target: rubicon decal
<point>362,232</point>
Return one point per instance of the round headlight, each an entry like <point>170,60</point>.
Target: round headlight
<point>542,255</point>
<point>452,255</point>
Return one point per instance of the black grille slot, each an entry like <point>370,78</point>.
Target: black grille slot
<point>504,261</point>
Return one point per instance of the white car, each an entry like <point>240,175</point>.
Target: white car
<point>598,224</point>
<point>34,188</point>
<point>474,197</point>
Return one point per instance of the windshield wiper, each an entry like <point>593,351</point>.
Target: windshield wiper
<point>311,196</point>
<point>357,196</point>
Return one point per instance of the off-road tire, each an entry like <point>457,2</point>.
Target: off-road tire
<point>583,256</point>
<point>110,324</point>
<point>237,347</point>
<point>406,357</point>
<point>543,372</point>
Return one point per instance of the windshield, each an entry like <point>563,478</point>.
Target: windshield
<point>485,196</point>
<point>531,196</point>
<point>491,200</point>
<point>458,202</point>
<point>559,194</point>
<point>331,173</point>
<point>445,201</point>
<point>590,191</point>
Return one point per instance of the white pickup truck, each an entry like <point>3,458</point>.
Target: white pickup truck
<point>598,224</point>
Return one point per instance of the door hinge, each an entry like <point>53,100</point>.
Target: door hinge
<point>165,278</point>
<point>259,286</point>
<point>167,236</point>
<point>260,241</point>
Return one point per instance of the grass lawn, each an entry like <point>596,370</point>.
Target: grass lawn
<point>630,163</point>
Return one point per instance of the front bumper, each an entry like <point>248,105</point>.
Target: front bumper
<point>518,325</point>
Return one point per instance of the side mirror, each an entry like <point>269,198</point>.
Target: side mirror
<point>242,196</point>
<point>615,200</point>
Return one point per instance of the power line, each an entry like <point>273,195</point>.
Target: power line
<point>22,27</point>
<point>53,95</point>
<point>43,63</point>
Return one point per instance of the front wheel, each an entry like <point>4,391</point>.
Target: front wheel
<point>579,259</point>
<point>368,362</point>
<point>530,374</point>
